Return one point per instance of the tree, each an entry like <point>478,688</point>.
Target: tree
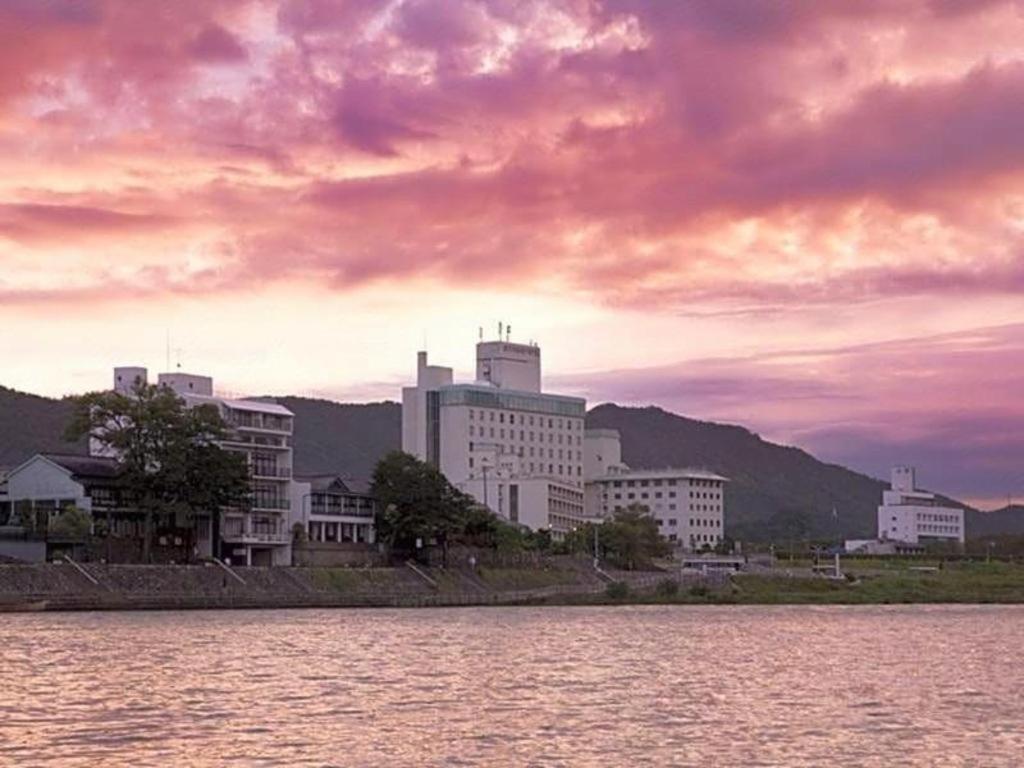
<point>71,523</point>
<point>416,502</point>
<point>630,539</point>
<point>168,453</point>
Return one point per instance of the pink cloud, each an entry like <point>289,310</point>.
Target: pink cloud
<point>642,132</point>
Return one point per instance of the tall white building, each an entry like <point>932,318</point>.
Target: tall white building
<point>913,516</point>
<point>262,433</point>
<point>688,504</point>
<point>500,439</point>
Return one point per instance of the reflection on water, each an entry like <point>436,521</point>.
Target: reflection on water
<point>709,686</point>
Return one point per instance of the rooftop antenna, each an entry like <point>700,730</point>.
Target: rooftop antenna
<point>508,333</point>
<point>501,331</point>
<point>481,333</point>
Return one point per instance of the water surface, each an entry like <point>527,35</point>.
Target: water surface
<point>709,686</point>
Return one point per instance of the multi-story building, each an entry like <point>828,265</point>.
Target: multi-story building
<point>511,446</point>
<point>688,504</point>
<point>913,516</point>
<point>334,509</point>
<point>262,433</point>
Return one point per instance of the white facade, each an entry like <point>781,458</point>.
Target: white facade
<point>508,365</point>
<point>260,431</point>
<point>913,516</point>
<point>330,511</point>
<point>689,504</point>
<point>513,448</point>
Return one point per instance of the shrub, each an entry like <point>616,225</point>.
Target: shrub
<point>667,588</point>
<point>617,590</point>
<point>699,590</point>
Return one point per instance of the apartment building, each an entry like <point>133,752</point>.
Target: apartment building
<point>262,433</point>
<point>688,504</point>
<point>914,516</point>
<point>514,448</point>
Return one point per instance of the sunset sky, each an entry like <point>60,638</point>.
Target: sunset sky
<point>804,217</point>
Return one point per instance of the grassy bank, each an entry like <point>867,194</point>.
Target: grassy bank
<point>869,584</point>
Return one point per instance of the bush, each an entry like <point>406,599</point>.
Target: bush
<point>617,590</point>
<point>698,590</point>
<point>72,523</point>
<point>667,588</point>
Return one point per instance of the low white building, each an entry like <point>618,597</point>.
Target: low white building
<point>689,504</point>
<point>333,509</point>
<point>914,516</point>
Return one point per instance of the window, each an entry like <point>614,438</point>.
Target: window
<point>672,521</point>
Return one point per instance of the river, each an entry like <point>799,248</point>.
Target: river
<point>610,686</point>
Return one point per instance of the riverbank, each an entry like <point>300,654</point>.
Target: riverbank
<point>68,586</point>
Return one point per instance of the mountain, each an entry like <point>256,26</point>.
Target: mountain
<point>342,438</point>
<point>774,491</point>
<point>30,424</point>
<point>1008,520</point>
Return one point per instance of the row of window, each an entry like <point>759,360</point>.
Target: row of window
<point>500,417</point>
<point>535,437</point>
<point>656,483</point>
<point>937,518</point>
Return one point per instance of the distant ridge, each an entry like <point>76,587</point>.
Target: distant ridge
<point>30,424</point>
<point>775,491</point>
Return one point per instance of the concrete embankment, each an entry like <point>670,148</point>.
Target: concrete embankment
<point>66,586</point>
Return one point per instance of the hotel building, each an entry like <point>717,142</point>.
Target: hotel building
<point>688,504</point>
<point>913,516</point>
<point>514,448</point>
<point>262,433</point>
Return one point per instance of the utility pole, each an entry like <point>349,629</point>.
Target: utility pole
<point>484,468</point>
<point>596,558</point>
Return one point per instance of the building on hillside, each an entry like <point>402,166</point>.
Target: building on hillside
<point>334,509</point>
<point>261,432</point>
<point>689,504</point>
<point>914,516</point>
<point>514,448</point>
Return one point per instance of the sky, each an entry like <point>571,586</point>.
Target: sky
<point>803,217</point>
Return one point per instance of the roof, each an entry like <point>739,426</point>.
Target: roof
<point>336,483</point>
<point>257,406</point>
<point>87,467</point>
<point>646,474</point>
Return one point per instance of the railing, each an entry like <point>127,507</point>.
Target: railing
<point>341,511</point>
<point>281,473</point>
<point>280,505</point>
<point>267,537</point>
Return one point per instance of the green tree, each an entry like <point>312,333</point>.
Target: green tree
<point>71,523</point>
<point>416,502</point>
<point>630,539</point>
<point>169,454</point>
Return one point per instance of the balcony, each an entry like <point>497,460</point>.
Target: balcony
<point>346,511</point>
<point>269,504</point>
<point>264,472</point>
